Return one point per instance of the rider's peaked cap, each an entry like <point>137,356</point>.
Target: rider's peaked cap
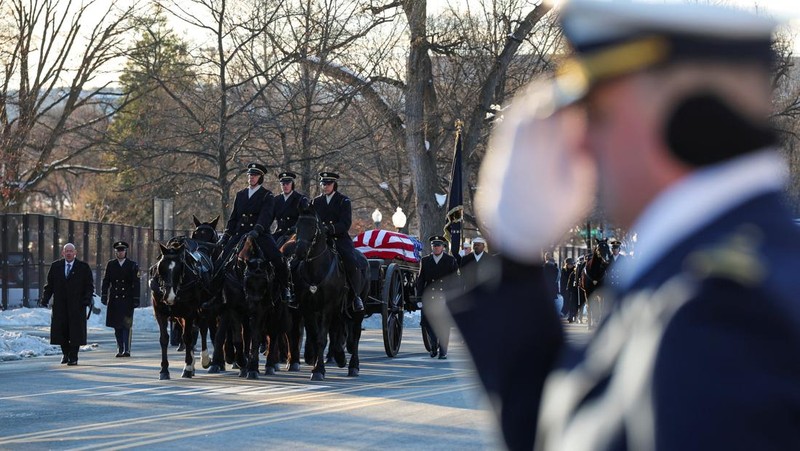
<point>478,240</point>
<point>287,176</point>
<point>437,239</point>
<point>615,243</point>
<point>328,176</point>
<point>120,245</point>
<point>615,38</point>
<point>256,169</point>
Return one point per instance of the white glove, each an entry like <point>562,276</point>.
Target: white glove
<point>536,180</point>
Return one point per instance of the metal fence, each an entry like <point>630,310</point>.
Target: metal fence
<point>29,243</point>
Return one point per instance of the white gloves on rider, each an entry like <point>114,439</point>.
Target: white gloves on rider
<point>536,179</point>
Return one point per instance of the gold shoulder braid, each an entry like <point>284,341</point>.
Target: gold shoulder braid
<point>735,258</point>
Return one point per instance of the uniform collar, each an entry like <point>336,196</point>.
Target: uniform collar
<point>251,191</point>
<point>696,201</point>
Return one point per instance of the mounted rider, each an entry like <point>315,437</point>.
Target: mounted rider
<point>335,215</point>
<point>252,215</point>
<point>287,208</point>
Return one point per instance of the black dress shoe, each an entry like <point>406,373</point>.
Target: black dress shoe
<point>126,354</point>
<point>119,354</point>
<point>64,359</point>
<point>442,356</point>
<point>358,304</point>
<point>72,363</point>
<point>433,353</point>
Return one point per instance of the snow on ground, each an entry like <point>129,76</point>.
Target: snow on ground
<point>17,344</point>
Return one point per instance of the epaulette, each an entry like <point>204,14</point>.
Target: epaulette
<point>735,257</point>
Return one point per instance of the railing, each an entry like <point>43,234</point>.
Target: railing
<point>29,243</point>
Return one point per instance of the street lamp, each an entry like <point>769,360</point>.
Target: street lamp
<point>376,218</point>
<point>399,219</point>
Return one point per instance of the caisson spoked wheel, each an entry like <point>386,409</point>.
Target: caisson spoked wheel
<point>392,310</point>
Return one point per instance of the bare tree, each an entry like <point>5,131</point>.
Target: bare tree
<point>52,70</point>
<point>422,126</point>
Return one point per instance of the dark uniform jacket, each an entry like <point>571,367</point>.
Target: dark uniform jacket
<point>71,295</point>
<point>613,270</point>
<point>250,211</point>
<point>432,281</point>
<point>121,289</point>
<point>699,352</point>
<point>478,271</point>
<point>338,215</point>
<point>286,212</point>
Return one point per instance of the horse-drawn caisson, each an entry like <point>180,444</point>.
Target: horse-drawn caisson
<point>245,296</point>
<point>394,265</point>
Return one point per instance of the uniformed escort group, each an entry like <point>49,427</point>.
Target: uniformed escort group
<point>252,215</point>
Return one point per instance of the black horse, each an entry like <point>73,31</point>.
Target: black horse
<point>180,283</point>
<point>205,234</point>
<point>591,279</point>
<point>321,287</point>
<point>269,317</point>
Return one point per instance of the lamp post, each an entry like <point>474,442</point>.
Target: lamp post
<point>399,219</point>
<point>376,218</point>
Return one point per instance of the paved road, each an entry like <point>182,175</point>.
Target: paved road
<point>411,401</point>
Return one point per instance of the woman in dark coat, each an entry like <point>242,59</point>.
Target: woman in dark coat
<point>120,291</point>
<point>71,286</point>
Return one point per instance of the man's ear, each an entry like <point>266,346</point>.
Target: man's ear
<point>703,129</point>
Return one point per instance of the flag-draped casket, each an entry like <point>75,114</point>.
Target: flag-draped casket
<point>388,245</point>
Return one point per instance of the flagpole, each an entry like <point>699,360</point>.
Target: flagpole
<point>455,197</point>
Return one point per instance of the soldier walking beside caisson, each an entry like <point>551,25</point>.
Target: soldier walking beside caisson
<point>120,292</point>
<point>432,284</point>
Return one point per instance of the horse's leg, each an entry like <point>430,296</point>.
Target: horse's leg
<point>256,334</point>
<point>274,339</point>
<point>205,361</point>
<point>218,357</point>
<point>246,337</point>
<point>163,340</point>
<point>295,337</point>
<point>315,347</point>
<point>188,340</point>
<point>353,339</point>
<point>338,336</point>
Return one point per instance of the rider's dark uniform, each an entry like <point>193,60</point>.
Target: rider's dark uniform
<point>335,215</point>
<point>252,214</point>
<point>287,209</point>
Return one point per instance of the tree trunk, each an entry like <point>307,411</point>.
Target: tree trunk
<point>423,163</point>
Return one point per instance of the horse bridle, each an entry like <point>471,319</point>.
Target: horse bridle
<point>164,286</point>
<point>317,233</point>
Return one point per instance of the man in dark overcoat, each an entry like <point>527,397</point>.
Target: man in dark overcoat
<point>287,208</point>
<point>667,107</point>
<point>120,292</point>
<point>70,285</point>
<point>252,215</point>
<point>335,214</point>
<point>433,283</point>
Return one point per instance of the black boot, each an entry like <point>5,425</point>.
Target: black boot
<point>358,304</point>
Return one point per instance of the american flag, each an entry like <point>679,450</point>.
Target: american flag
<point>389,245</point>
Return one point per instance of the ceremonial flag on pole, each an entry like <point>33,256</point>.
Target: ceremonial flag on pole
<point>455,198</point>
